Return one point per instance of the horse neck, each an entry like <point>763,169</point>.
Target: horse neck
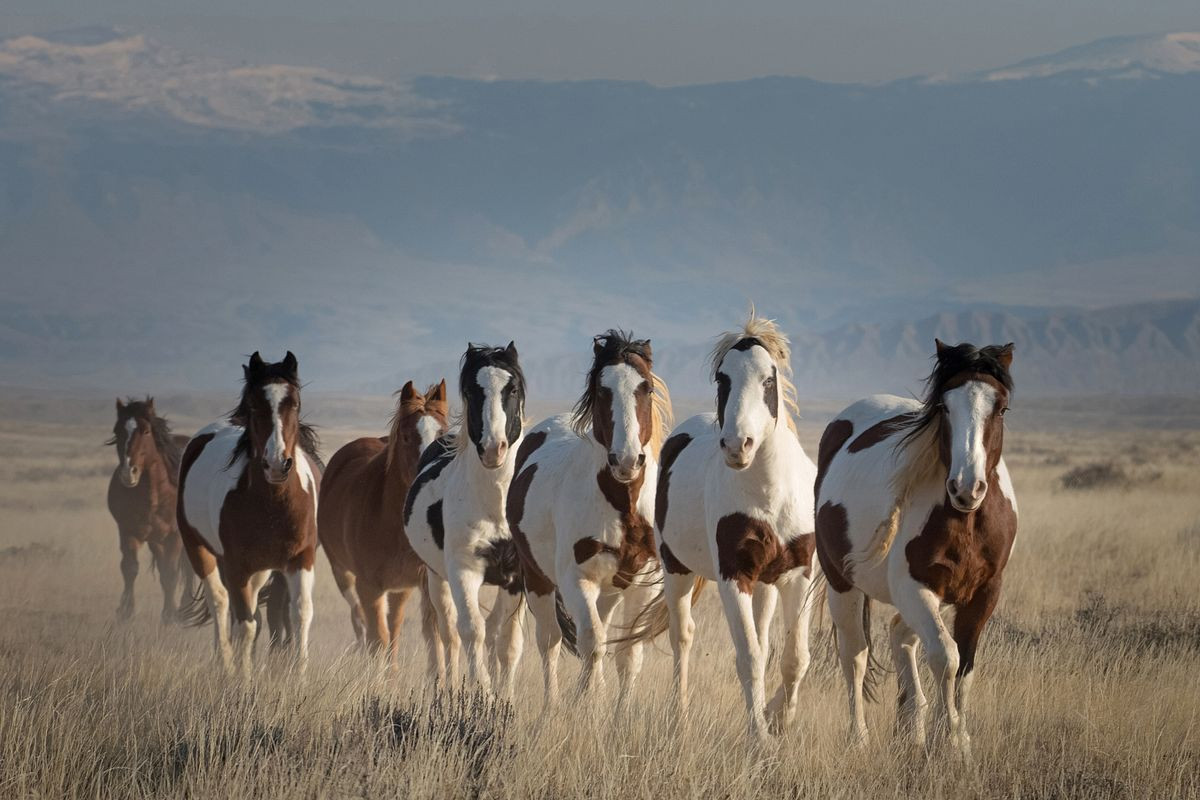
<point>397,478</point>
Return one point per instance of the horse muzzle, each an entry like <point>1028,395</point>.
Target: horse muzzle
<point>492,456</point>
<point>278,473</point>
<point>130,476</point>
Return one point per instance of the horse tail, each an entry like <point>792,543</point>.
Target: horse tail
<point>655,618</point>
<point>276,596</point>
<point>875,669</point>
<point>429,623</point>
<point>566,625</point>
<point>195,612</point>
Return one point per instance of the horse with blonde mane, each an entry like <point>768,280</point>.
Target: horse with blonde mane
<point>580,506</point>
<point>916,509</point>
<point>360,522</point>
<point>735,506</point>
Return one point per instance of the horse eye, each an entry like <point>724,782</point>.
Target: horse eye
<point>769,382</point>
<point>1004,411</point>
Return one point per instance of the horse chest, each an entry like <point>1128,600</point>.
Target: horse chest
<point>956,553</point>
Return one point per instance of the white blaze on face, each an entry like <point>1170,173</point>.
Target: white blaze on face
<point>968,409</point>
<point>275,451</point>
<point>747,417</point>
<point>131,427</point>
<point>494,439</point>
<point>623,381</point>
<point>428,430</point>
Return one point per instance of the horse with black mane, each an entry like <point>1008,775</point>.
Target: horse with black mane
<point>915,508</point>
<point>141,498</point>
<point>248,507</point>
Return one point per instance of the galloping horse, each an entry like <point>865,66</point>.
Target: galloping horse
<point>141,497</point>
<point>735,506</point>
<point>454,514</point>
<point>248,506</point>
<point>580,506</point>
<point>361,522</point>
<point>916,509</point>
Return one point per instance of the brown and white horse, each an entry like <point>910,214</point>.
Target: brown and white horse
<point>141,498</point>
<point>361,523</point>
<point>915,508</point>
<point>248,506</point>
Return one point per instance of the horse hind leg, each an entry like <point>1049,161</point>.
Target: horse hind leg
<point>846,609</point>
<point>396,604</point>
<point>549,642</point>
<point>677,595</point>
<point>183,567</point>
<point>168,575</point>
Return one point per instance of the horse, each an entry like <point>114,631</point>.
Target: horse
<point>248,488</point>
<point>360,522</point>
<point>141,498</point>
<point>916,509</point>
<point>455,520</point>
<point>735,506</point>
<point>580,505</point>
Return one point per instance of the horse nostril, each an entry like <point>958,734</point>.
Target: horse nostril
<point>980,488</point>
<point>287,464</point>
<point>952,487</point>
<point>612,459</point>
<point>723,443</point>
<point>641,460</point>
<point>748,443</point>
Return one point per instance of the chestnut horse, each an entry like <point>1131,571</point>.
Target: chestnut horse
<point>361,523</point>
<point>915,508</point>
<point>141,498</point>
<point>248,507</point>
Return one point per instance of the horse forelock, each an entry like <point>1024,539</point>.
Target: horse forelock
<point>408,408</point>
<point>278,372</point>
<point>615,347</point>
<point>476,357</point>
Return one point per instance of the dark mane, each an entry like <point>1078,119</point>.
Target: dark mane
<point>483,355</point>
<point>950,362</point>
<point>160,429</point>
<point>240,415</point>
<point>613,346</point>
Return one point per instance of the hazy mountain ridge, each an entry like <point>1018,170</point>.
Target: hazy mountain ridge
<point>162,214</point>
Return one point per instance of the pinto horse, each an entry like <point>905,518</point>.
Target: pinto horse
<point>916,509</point>
<point>580,506</point>
<point>455,520</point>
<point>141,498</point>
<point>361,522</point>
<point>735,506</point>
<point>248,507</point>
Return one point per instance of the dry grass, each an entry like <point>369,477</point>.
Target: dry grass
<point>1085,687</point>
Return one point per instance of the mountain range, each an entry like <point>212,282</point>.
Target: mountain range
<point>164,213</point>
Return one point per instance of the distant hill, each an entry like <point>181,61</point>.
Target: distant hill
<point>164,213</point>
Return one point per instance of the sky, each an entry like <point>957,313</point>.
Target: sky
<point>666,42</point>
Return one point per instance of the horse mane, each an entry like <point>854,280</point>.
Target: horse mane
<point>764,332</point>
<point>475,358</point>
<point>307,438</point>
<point>615,346</point>
<point>918,449</point>
<point>160,430</point>
<point>403,409</point>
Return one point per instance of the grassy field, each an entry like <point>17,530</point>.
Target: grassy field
<point>1086,683</point>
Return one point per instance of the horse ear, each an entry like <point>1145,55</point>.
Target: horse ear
<point>290,364</point>
<point>1005,355</point>
<point>597,345</point>
<point>438,393</point>
<point>942,348</point>
<point>649,350</point>
<point>256,364</point>
<point>120,406</point>
<point>408,393</point>
<point>150,404</point>
<point>511,350</point>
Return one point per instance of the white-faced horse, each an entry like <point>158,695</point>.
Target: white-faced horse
<point>248,506</point>
<point>580,506</point>
<point>735,506</point>
<point>454,515</point>
<point>916,509</point>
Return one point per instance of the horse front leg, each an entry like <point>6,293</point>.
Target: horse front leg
<point>168,575</point>
<point>510,639</point>
<point>244,591</point>
<point>130,545</point>
<point>300,590</point>
<point>472,627</point>
<point>739,614</point>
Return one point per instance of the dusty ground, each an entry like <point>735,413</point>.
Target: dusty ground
<point>1086,682</point>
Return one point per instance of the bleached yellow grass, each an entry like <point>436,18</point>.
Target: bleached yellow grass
<point>1086,684</point>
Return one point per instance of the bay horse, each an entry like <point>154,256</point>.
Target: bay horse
<point>735,507</point>
<point>247,507</point>
<point>141,498</point>
<point>916,509</point>
<point>580,505</point>
<point>360,521</point>
<point>455,520</point>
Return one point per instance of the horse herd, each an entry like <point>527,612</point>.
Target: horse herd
<point>600,511</point>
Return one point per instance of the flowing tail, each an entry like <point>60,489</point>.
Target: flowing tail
<point>194,612</point>
<point>275,596</point>
<point>565,624</point>
<point>655,619</point>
